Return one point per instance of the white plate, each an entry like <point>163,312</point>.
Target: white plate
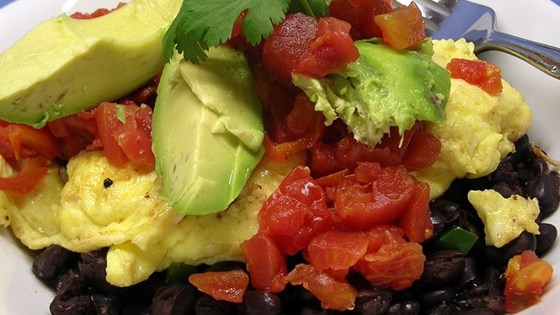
<point>21,293</point>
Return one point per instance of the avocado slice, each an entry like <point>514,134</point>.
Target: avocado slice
<point>65,65</point>
<point>383,88</point>
<point>207,131</point>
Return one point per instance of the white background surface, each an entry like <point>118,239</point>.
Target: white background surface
<point>539,20</point>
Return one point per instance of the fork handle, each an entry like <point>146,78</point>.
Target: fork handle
<point>544,57</point>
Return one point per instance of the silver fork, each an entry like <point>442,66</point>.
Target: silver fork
<point>476,23</point>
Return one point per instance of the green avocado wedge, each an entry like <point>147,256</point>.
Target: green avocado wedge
<point>66,65</point>
<point>383,88</point>
<point>207,131</point>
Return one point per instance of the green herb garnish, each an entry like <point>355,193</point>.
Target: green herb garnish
<point>201,24</point>
<point>121,113</point>
<point>457,238</point>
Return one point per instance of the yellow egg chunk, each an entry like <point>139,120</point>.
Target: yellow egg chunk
<point>33,218</point>
<point>504,218</point>
<point>126,214</point>
<point>201,239</point>
<point>479,129</point>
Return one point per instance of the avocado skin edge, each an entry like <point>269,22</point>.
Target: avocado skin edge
<point>66,65</point>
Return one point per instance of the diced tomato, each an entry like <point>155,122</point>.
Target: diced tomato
<point>75,133</point>
<point>415,149</point>
<point>402,28</point>
<point>363,206</point>
<point>288,44</point>
<point>331,50</point>
<point>423,151</point>
<point>282,215</point>
<point>227,286</point>
<point>395,264</point>
<point>18,141</point>
<point>366,173</point>
<point>144,95</point>
<point>303,45</point>
<point>123,132</point>
<point>384,234</point>
<point>295,212</point>
<point>336,250</point>
<point>333,293</point>
<point>95,14</point>
<point>485,75</point>
<point>415,220</point>
<point>126,136</point>
<point>286,210</point>
<point>29,151</point>
<point>266,264</point>
<point>300,130</point>
<point>360,14</point>
<point>332,179</point>
<point>32,172</point>
<point>526,276</point>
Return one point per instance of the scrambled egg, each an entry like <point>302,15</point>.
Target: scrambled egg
<point>479,129</point>
<point>142,232</point>
<point>144,235</point>
<point>504,218</point>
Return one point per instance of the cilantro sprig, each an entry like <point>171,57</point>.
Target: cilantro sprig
<point>201,24</point>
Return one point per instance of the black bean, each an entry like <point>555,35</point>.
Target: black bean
<point>539,166</point>
<point>404,308</point>
<point>257,302</point>
<point>206,305</point>
<point>440,309</point>
<point>441,267</point>
<point>76,305</point>
<point>546,237</point>
<point>373,301</point>
<point>92,267</point>
<point>482,296</point>
<point>173,299</point>
<point>103,305</point>
<point>500,256</point>
<point>522,148</point>
<point>52,262</point>
<point>546,190</point>
<point>439,221</point>
<point>476,311</point>
<point>469,273</point>
<point>135,310</point>
<point>435,297</point>
<point>505,173</point>
<point>294,297</point>
<point>450,209</point>
<point>312,311</point>
<point>69,285</point>
<point>493,277</point>
<point>503,189</point>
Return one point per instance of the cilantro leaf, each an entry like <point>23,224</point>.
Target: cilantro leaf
<point>314,8</point>
<point>201,24</point>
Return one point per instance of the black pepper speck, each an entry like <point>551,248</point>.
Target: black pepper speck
<point>107,182</point>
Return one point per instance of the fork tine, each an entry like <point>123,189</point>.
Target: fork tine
<point>444,5</point>
<point>431,17</point>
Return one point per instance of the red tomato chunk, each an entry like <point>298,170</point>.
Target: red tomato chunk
<point>227,286</point>
<point>360,14</point>
<point>368,221</point>
<point>526,276</point>
<point>485,75</point>
<point>29,151</point>
<point>300,44</point>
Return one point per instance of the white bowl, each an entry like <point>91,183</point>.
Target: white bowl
<point>21,293</point>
